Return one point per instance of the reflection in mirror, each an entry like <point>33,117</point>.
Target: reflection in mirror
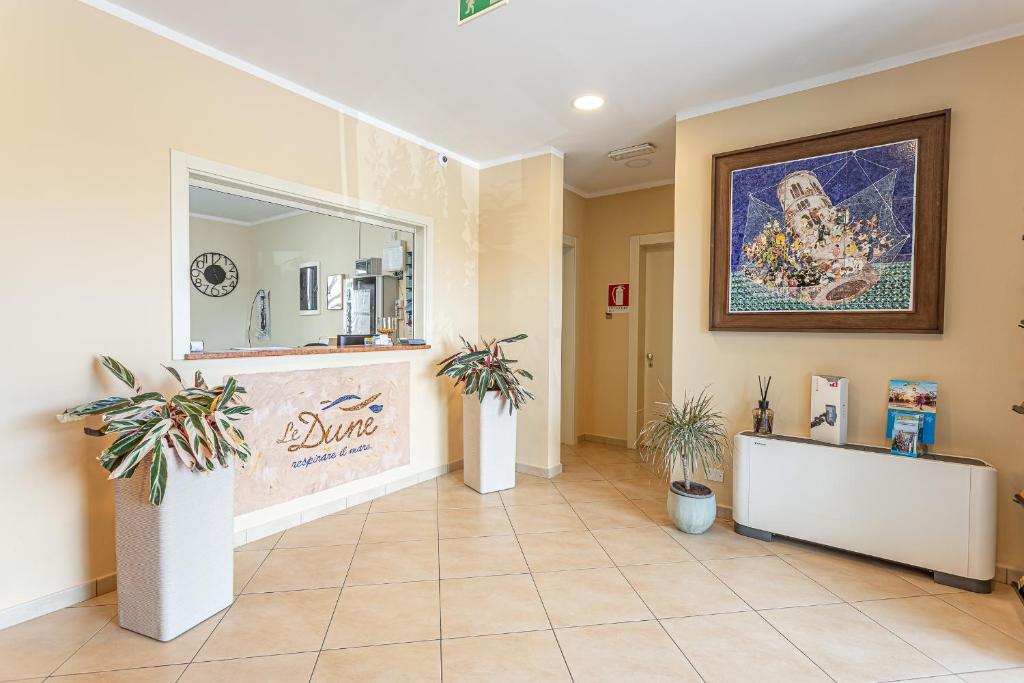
<point>309,288</point>
<point>335,283</point>
<point>314,276</point>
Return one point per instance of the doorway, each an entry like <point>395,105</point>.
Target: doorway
<point>569,282</point>
<point>649,377</point>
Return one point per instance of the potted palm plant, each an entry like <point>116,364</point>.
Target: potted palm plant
<point>684,436</point>
<point>174,527</point>
<point>493,394</point>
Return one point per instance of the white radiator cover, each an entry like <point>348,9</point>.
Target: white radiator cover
<point>937,512</point>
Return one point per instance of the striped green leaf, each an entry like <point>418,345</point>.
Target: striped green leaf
<point>153,435</point>
<point>115,426</point>
<point>235,412</point>
<point>157,475</point>
<point>188,406</point>
<point>209,439</point>
<point>196,443</point>
<point>181,448</point>
<point>223,450</point>
<point>93,408</point>
<point>174,374</point>
<point>230,386</point>
<point>123,445</point>
<point>226,431</point>
<point>119,371</point>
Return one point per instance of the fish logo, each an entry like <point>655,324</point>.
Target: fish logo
<point>375,408</point>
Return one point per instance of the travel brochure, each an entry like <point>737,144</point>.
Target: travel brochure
<point>911,417</point>
<point>905,431</point>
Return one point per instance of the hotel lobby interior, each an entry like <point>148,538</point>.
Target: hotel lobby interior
<point>512,342</point>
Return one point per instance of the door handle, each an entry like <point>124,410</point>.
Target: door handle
<point>650,360</point>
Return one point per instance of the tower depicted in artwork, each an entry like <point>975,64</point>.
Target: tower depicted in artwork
<point>805,205</point>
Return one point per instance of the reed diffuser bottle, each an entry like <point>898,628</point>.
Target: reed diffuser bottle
<point>764,417</point>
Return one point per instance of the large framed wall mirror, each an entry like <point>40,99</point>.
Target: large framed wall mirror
<point>299,277</point>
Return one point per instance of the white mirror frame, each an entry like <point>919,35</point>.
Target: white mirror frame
<point>189,170</point>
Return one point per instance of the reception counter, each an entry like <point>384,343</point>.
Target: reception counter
<point>302,351</point>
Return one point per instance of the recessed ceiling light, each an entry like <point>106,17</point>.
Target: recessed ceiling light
<point>588,102</point>
<point>638,163</point>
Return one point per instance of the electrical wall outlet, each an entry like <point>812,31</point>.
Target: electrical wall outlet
<point>716,475</point>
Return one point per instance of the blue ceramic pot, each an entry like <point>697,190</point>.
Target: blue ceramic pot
<point>693,511</point>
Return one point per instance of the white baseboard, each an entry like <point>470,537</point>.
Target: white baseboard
<point>609,440</point>
<point>286,522</point>
<point>55,601</point>
<point>546,472</point>
<point>105,584</point>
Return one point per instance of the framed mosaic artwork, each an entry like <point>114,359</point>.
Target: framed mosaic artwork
<point>843,231</point>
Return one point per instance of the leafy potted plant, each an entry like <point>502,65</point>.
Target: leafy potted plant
<point>493,394</point>
<point>174,550</point>
<point>683,437</point>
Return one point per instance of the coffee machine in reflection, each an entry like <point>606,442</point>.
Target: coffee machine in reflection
<point>369,296</point>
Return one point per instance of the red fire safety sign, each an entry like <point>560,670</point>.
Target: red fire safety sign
<point>618,297</point>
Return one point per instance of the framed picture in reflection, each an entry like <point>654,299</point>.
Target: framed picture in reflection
<point>309,288</point>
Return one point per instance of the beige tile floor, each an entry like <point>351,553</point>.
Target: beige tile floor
<point>578,579</point>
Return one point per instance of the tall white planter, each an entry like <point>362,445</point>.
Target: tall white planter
<point>174,561</point>
<point>488,443</point>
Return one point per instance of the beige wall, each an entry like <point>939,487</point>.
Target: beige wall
<point>574,209</point>
<point>92,108</point>
<point>977,362</point>
<point>609,223</point>
<point>521,288</point>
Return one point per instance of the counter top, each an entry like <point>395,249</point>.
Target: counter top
<point>302,351</point>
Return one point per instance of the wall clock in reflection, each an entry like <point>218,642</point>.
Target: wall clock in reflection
<point>214,274</point>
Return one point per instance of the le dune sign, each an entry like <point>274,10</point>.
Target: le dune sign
<point>311,430</point>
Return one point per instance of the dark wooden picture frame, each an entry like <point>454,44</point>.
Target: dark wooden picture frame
<point>924,314</point>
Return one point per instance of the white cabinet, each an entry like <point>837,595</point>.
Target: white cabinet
<point>935,512</point>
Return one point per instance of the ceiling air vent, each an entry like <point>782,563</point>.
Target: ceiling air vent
<point>630,152</point>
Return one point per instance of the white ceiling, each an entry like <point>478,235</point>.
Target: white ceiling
<point>502,84</point>
<point>229,208</point>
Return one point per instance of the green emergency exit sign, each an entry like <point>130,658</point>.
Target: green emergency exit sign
<point>471,9</point>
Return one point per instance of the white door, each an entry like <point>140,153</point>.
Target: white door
<point>656,330</point>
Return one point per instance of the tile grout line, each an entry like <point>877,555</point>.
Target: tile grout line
<point>795,646</point>
<point>440,606</point>
<point>771,625</point>
<point>658,620</point>
<point>958,607</point>
<point>898,636</point>
<point>337,602</point>
<point>145,667</point>
<point>843,601</point>
<point>234,599</point>
<point>540,598</point>
<point>84,643</point>
<point>783,635</point>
